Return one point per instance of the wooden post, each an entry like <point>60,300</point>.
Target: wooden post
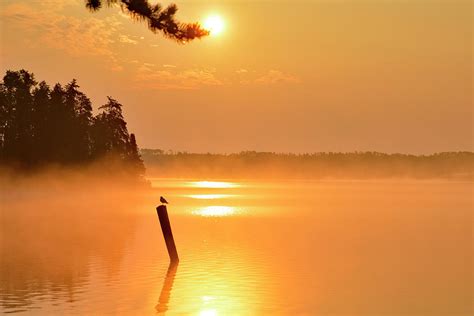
<point>167,233</point>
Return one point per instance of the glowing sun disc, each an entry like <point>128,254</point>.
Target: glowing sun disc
<point>214,24</point>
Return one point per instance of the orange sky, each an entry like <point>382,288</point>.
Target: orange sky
<point>286,76</point>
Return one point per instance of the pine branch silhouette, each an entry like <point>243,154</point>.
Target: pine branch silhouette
<point>159,19</point>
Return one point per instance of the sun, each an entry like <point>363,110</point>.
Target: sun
<point>214,24</point>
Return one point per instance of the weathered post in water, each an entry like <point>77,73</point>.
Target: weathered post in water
<point>167,233</point>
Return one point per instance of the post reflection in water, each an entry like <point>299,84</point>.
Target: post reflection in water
<point>165,294</point>
<point>215,281</point>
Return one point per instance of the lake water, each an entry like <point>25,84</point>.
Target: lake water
<point>246,248</point>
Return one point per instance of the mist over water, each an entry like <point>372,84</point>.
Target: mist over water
<point>94,247</point>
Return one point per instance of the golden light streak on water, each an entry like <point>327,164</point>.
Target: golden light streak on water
<point>213,184</point>
<point>215,211</point>
<point>210,196</point>
<point>208,312</point>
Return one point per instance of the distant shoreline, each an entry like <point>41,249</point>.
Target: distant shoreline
<point>267,165</point>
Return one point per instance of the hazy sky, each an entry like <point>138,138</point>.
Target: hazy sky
<point>285,75</point>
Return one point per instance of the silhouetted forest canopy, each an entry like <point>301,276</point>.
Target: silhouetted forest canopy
<point>41,126</point>
<point>354,165</point>
<point>159,18</point>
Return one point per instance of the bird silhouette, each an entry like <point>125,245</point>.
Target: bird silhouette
<point>163,200</point>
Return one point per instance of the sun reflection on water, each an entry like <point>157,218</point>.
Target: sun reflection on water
<point>208,312</point>
<point>215,211</point>
<point>213,184</point>
<point>210,196</point>
<point>217,278</point>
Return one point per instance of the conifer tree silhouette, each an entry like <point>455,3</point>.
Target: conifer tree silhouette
<point>39,125</point>
<point>159,18</point>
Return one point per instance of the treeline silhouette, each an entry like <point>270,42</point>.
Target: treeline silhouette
<point>354,165</point>
<point>40,125</point>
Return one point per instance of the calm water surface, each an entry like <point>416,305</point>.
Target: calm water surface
<point>246,248</point>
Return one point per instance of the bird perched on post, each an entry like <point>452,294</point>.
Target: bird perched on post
<point>163,200</point>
